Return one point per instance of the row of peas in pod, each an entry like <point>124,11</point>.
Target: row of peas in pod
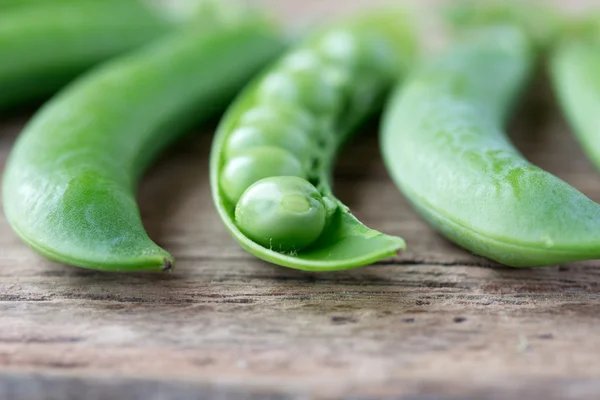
<point>120,87</point>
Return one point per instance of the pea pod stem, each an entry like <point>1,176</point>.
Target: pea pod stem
<point>443,143</point>
<point>69,184</point>
<point>316,95</point>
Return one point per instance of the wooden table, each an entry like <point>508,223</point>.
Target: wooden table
<point>432,323</point>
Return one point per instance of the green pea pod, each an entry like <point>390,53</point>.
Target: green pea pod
<point>541,21</point>
<point>575,75</point>
<point>273,153</point>
<point>45,46</point>
<point>11,4</point>
<point>69,185</point>
<point>444,146</point>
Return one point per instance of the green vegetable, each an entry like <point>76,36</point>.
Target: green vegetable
<point>444,146</point>
<point>45,46</point>
<point>541,21</point>
<point>6,4</point>
<point>254,164</point>
<point>575,74</point>
<point>272,156</point>
<point>69,186</point>
<point>282,212</point>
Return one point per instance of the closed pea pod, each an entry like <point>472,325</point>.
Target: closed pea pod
<point>575,75</point>
<point>44,46</point>
<point>69,185</point>
<point>272,156</point>
<point>443,143</point>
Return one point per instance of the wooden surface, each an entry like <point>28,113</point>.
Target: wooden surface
<point>433,323</point>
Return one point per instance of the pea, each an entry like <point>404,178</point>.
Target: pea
<point>284,113</point>
<point>288,117</point>
<point>444,144</point>
<point>277,201</point>
<point>303,88</point>
<point>284,213</point>
<point>69,184</point>
<point>255,164</point>
<point>285,137</point>
<point>368,53</point>
<point>334,75</point>
<point>341,47</point>
<point>302,60</point>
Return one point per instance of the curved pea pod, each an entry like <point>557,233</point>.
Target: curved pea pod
<point>541,21</point>
<point>11,4</point>
<point>44,46</point>
<point>443,143</point>
<point>575,75</point>
<point>70,181</point>
<point>272,156</point>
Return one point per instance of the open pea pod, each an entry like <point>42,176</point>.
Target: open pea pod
<point>273,153</point>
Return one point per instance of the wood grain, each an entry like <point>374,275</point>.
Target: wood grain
<point>432,323</point>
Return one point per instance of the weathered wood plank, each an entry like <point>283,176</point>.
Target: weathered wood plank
<point>37,386</point>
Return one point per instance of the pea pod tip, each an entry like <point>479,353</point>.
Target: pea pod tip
<point>168,265</point>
